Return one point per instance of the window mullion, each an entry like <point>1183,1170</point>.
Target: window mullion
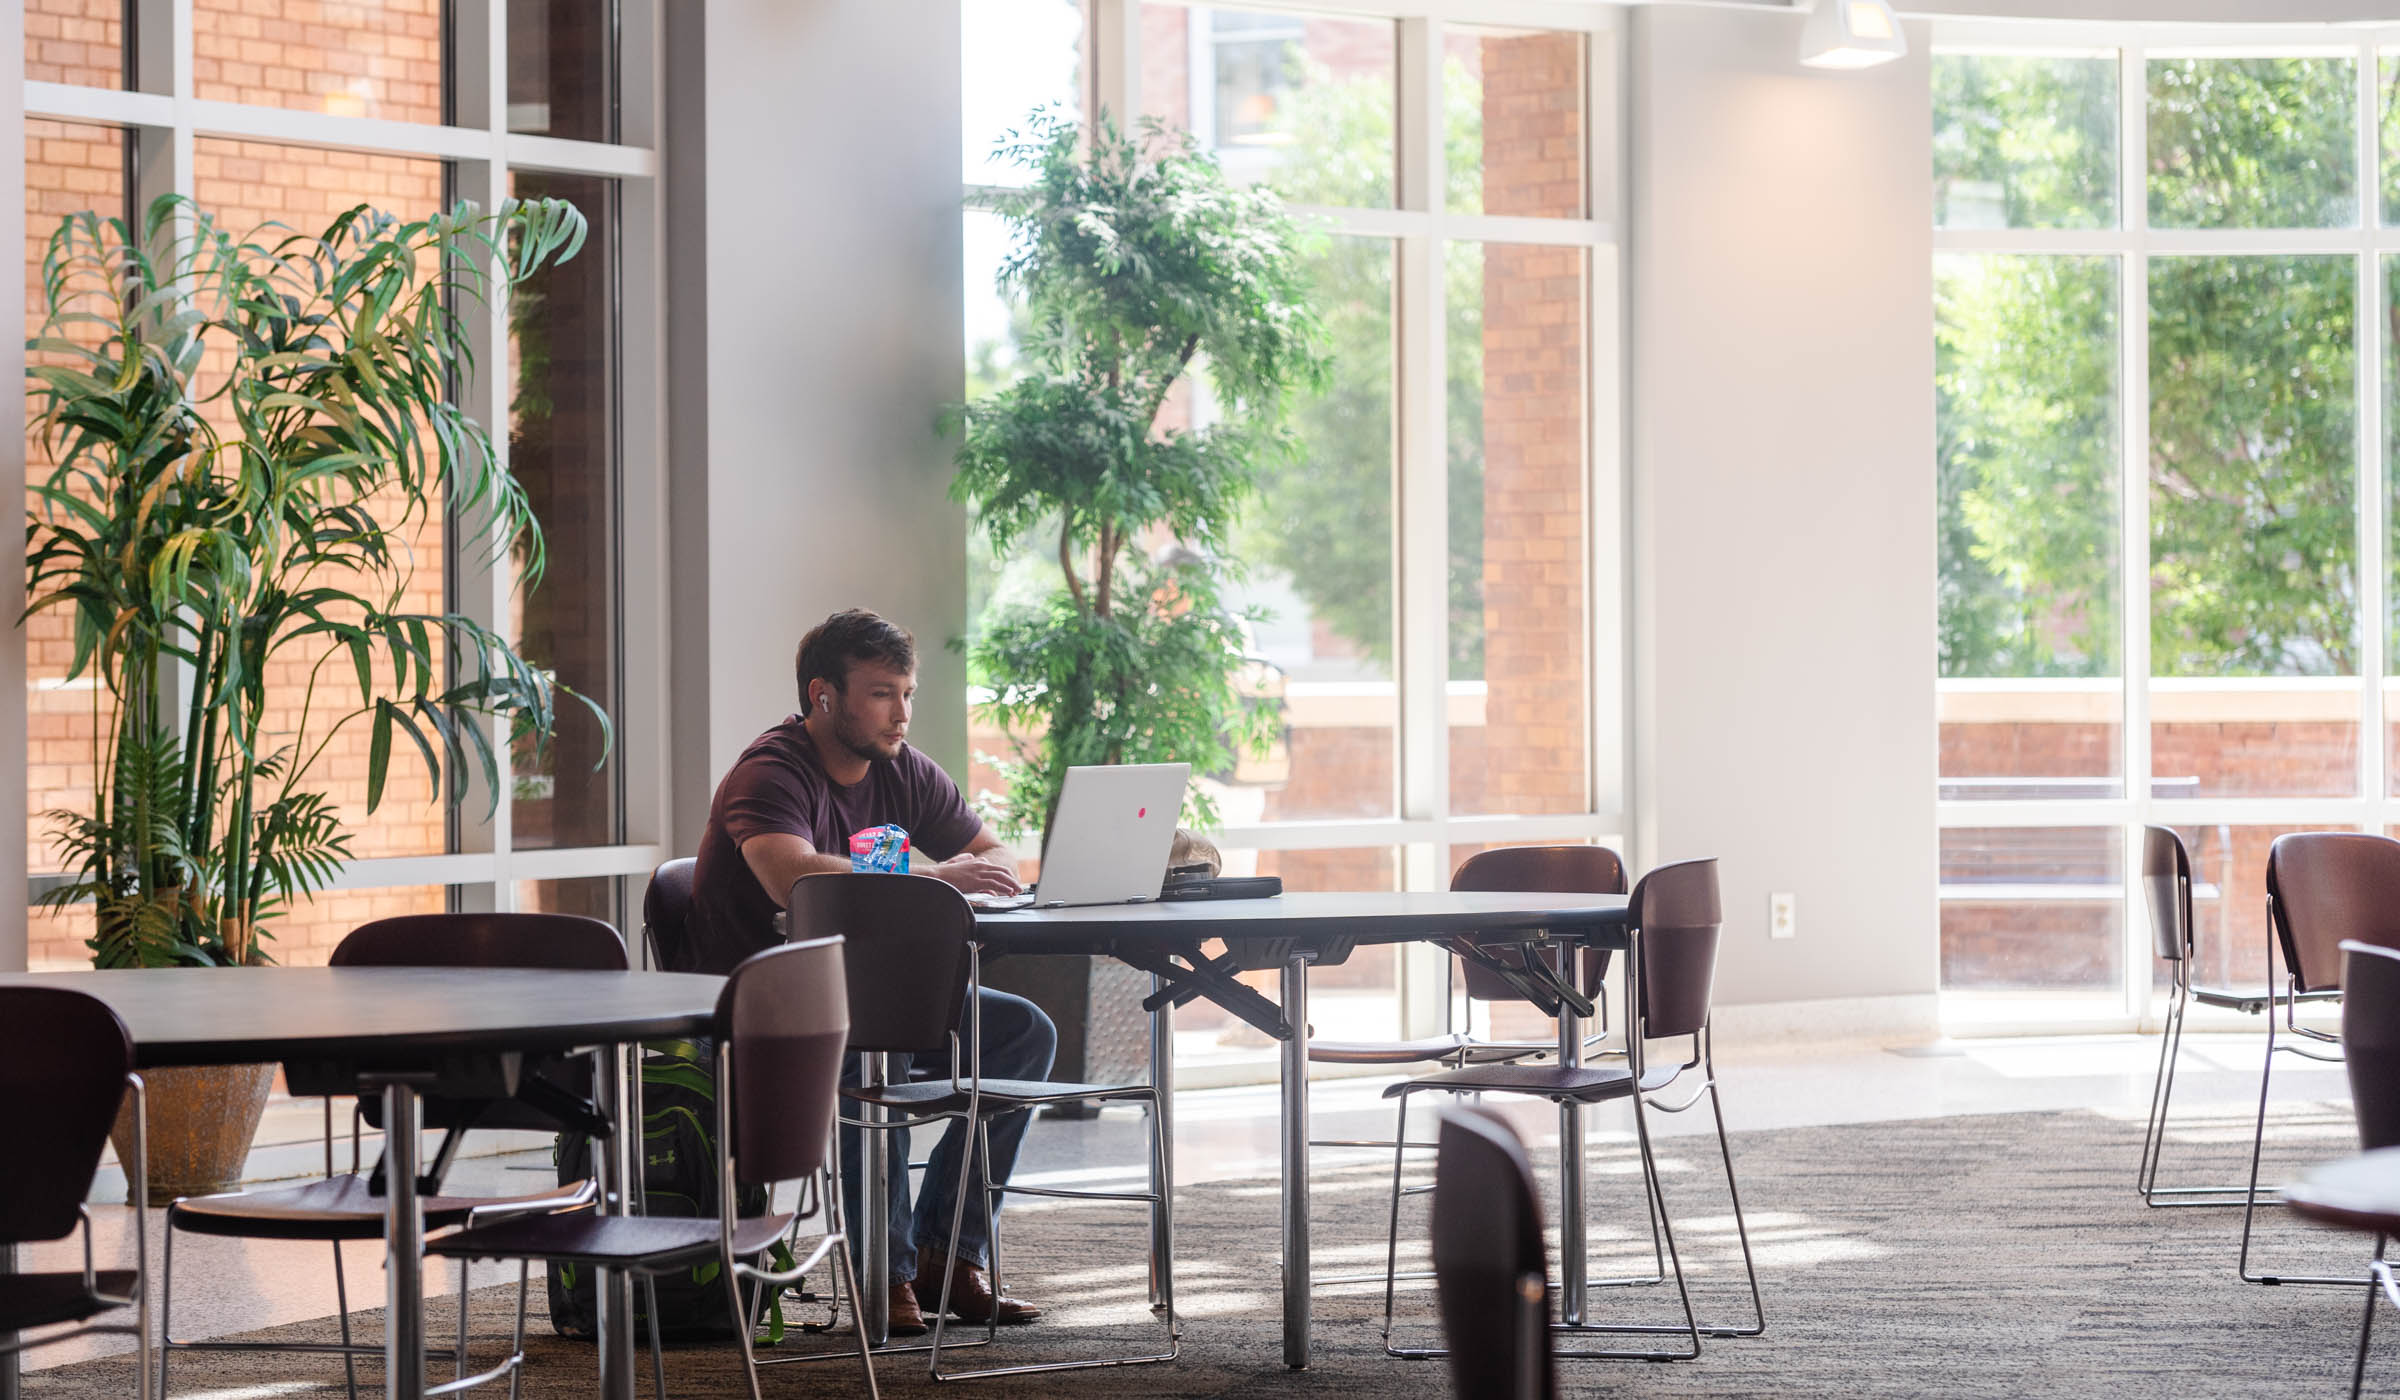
<point>485,579</point>
<point>2133,542</point>
<point>2374,571</point>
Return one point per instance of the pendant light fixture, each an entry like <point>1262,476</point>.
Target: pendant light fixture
<point>1852,34</point>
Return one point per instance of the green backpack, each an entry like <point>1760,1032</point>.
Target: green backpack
<point>679,1178</point>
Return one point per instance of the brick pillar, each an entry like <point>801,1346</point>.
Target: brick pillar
<point>1533,433</point>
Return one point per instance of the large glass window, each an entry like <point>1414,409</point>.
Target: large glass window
<point>2236,562</point>
<point>1420,567</point>
<point>379,58</point>
<point>558,384</point>
<point>563,445</point>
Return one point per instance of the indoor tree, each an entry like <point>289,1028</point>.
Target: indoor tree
<point>1138,264</point>
<point>246,430</point>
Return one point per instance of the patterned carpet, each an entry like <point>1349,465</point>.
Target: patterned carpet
<point>1955,1257</point>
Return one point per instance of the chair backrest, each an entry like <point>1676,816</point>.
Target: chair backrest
<point>566,942</point>
<point>1487,1241</point>
<point>60,1083</point>
<point>560,942</point>
<point>2167,880</point>
<point>2327,886</point>
<point>1549,869</point>
<point>906,959</point>
<point>785,1013</point>
<point>1675,907</point>
<point>2371,1040</point>
<point>667,912</point>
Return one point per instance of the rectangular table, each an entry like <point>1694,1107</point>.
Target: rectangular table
<point>403,1032</point>
<point>1288,933</point>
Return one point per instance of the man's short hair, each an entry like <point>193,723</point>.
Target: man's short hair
<point>846,639</point>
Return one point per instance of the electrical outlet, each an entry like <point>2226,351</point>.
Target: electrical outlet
<point>1782,915</point>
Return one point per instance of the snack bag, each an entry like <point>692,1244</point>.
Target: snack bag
<point>880,850</point>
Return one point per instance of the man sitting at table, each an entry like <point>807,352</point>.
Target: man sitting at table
<point>788,809</point>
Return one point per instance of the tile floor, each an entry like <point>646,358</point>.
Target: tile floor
<point>233,1286</point>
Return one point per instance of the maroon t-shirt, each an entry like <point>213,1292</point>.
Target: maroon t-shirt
<point>778,785</point>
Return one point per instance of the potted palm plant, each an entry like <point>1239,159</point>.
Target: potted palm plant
<point>1139,266</point>
<point>245,431</point>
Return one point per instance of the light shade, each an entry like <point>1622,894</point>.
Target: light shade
<point>1851,34</point>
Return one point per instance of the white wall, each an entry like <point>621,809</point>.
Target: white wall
<point>1781,359</point>
<point>825,309</point>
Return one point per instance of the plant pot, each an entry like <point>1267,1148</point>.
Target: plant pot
<point>202,1118</point>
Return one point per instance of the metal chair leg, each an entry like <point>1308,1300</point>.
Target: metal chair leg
<point>1691,1321</point>
<point>2258,1143</point>
<point>166,1308</point>
<point>2366,1323</point>
<point>1741,1227</point>
<point>341,1300</point>
<point>1391,1246</point>
<point>741,1329</point>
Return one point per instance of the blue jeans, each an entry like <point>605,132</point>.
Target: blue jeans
<point>1018,1043</point>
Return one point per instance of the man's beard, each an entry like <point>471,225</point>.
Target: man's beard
<point>864,748</point>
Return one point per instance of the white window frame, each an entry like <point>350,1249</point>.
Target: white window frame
<point>167,118</point>
<point>2133,243</point>
<point>1418,226</point>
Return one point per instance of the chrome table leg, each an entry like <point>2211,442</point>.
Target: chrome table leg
<point>874,1194</point>
<point>1162,1078</point>
<point>1295,1162</point>
<point>1572,1265</point>
<point>404,1247</point>
<point>616,1161</point>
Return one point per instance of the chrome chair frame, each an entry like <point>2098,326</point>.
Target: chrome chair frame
<point>2174,942</point>
<point>1642,1099</point>
<point>1465,1049</point>
<point>581,1194</point>
<point>979,1114</point>
<point>2288,996</point>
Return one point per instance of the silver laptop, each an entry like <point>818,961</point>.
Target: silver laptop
<point>1110,840</point>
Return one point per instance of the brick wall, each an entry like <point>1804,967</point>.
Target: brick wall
<point>1533,444</point>
<point>75,41</point>
<point>360,58</point>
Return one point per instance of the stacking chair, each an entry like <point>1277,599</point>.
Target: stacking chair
<point>2167,880</point>
<point>780,1029</point>
<point>914,970</point>
<point>2363,1193</point>
<point>666,914</point>
<point>1550,869</point>
<point>348,1205</point>
<point>1674,913</point>
<point>63,1080</point>
<point>1487,1260</point>
<point>2323,888</point>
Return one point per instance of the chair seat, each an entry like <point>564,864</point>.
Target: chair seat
<point>1427,1049</point>
<point>340,1208</point>
<point>37,1300</point>
<point>1582,1083</point>
<point>999,1095</point>
<point>610,1241</point>
<point>2253,999</point>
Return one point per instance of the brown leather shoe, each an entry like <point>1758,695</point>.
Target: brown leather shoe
<point>971,1296</point>
<point>906,1320</point>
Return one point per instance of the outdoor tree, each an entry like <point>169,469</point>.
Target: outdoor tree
<point>1324,517</point>
<point>1139,264</point>
<point>2250,458</point>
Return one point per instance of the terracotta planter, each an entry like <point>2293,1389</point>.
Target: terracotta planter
<point>202,1118</point>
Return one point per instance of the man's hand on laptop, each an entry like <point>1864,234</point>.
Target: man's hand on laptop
<point>972,874</point>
